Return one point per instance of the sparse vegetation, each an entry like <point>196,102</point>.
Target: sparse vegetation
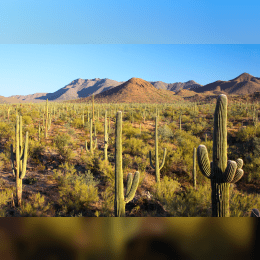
<point>64,179</point>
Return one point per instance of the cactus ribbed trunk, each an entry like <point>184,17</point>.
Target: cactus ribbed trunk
<point>119,192</point>
<point>221,172</point>
<point>120,199</point>
<point>194,168</point>
<point>105,137</point>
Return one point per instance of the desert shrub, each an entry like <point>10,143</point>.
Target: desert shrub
<point>245,134</point>
<point>135,146</point>
<point>241,204</point>
<point>127,161</point>
<point>106,168</point>
<point>63,143</point>
<point>77,123</point>
<point>5,197</point>
<point>129,131</point>
<point>35,208</point>
<point>107,208</point>
<point>27,120</point>
<point>165,190</point>
<point>173,126</point>
<point>32,131</point>
<point>6,130</point>
<point>4,161</point>
<point>165,132</point>
<point>76,191</point>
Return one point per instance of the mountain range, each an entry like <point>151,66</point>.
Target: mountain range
<point>101,88</point>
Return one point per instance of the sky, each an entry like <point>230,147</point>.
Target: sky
<point>44,45</point>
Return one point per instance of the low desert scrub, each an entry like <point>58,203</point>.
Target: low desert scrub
<point>5,197</point>
<point>35,207</point>
<point>76,190</point>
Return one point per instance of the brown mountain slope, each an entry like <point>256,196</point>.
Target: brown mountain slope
<point>243,84</point>
<point>10,100</point>
<point>135,90</point>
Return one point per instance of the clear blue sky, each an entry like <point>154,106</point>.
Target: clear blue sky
<point>44,45</point>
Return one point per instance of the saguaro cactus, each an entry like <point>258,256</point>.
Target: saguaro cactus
<point>46,119</point>
<point>131,187</point>
<point>105,137</point>
<point>194,168</point>
<point>221,172</point>
<point>157,167</point>
<point>20,158</point>
<point>91,148</point>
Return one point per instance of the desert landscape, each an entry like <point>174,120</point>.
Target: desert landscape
<point>62,153</point>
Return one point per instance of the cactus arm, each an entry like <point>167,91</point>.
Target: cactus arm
<point>239,174</point>
<point>130,195</point>
<point>128,183</point>
<point>150,156</point>
<point>25,156</point>
<point>203,161</point>
<point>164,156</point>
<point>230,171</point>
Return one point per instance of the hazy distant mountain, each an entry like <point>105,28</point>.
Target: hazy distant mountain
<point>191,84</point>
<point>243,84</point>
<point>81,88</point>
<point>135,90</point>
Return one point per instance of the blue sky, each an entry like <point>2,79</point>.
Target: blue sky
<point>44,45</point>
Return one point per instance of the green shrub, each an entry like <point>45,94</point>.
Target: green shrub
<point>135,146</point>
<point>76,191</point>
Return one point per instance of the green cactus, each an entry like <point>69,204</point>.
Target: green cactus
<point>131,187</point>
<point>91,148</point>
<point>157,167</point>
<point>46,119</point>
<point>180,122</point>
<point>221,172</point>
<point>20,158</point>
<point>194,168</point>
<point>105,137</point>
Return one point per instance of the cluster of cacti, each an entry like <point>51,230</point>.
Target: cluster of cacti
<point>221,172</point>
<point>20,157</point>
<point>132,184</point>
<point>156,166</point>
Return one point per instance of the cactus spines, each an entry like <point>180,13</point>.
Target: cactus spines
<point>20,158</point>
<point>221,172</point>
<point>156,166</point>
<point>120,199</point>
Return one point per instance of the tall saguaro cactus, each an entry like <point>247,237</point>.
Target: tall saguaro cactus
<point>105,137</point>
<point>91,148</point>
<point>46,119</point>
<point>221,171</point>
<point>132,184</point>
<point>194,168</point>
<point>157,167</point>
<point>20,158</point>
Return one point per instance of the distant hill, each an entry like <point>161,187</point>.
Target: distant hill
<point>243,84</point>
<point>191,84</point>
<point>9,100</point>
<point>135,90</point>
<point>81,88</point>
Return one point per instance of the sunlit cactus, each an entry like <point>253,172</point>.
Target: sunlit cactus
<point>132,184</point>
<point>221,172</point>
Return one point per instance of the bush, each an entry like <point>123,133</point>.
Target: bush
<point>76,191</point>
<point>62,142</point>
<point>135,146</point>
